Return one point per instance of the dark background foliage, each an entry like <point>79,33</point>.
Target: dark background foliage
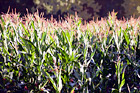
<point>86,9</point>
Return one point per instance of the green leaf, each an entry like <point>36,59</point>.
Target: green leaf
<point>126,37</point>
<point>52,81</point>
<point>72,91</point>
<point>43,37</point>
<point>1,28</point>
<point>115,91</point>
<point>119,32</point>
<point>48,46</point>
<point>21,47</point>
<point>5,51</point>
<point>26,32</point>
<point>79,23</point>
<point>122,83</point>
<point>36,37</point>
<point>29,42</point>
<point>32,23</point>
<point>93,53</point>
<point>2,20</point>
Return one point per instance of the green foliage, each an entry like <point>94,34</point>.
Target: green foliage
<point>70,6</point>
<point>50,56</point>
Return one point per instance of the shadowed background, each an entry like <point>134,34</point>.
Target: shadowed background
<point>86,9</point>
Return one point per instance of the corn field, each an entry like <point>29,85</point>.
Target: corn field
<point>69,56</point>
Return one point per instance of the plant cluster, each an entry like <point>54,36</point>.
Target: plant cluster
<point>42,55</point>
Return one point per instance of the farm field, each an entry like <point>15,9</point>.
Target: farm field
<point>69,56</point>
